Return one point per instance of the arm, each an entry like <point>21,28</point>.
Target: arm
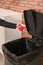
<point>7,24</point>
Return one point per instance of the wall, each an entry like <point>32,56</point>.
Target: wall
<point>12,34</point>
<point>21,5</point>
<point>7,34</point>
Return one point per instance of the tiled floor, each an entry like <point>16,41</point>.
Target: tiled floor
<point>1,59</point>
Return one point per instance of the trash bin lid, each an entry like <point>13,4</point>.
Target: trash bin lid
<point>34,23</point>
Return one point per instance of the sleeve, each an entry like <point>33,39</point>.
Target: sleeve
<point>7,24</point>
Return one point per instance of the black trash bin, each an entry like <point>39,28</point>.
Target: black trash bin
<point>20,51</point>
<point>24,50</point>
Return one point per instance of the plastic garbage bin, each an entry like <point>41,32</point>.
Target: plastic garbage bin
<point>20,51</point>
<point>25,51</point>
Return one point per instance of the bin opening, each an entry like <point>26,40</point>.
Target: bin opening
<point>20,46</point>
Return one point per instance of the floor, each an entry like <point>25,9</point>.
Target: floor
<point>1,59</point>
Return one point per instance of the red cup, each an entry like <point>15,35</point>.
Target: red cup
<point>21,27</point>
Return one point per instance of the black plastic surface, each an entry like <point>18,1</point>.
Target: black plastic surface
<point>34,23</point>
<point>20,46</point>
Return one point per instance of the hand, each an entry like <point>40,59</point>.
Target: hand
<point>20,27</point>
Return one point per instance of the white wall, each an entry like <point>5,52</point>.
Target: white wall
<point>6,34</point>
<point>2,37</point>
<point>12,34</point>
